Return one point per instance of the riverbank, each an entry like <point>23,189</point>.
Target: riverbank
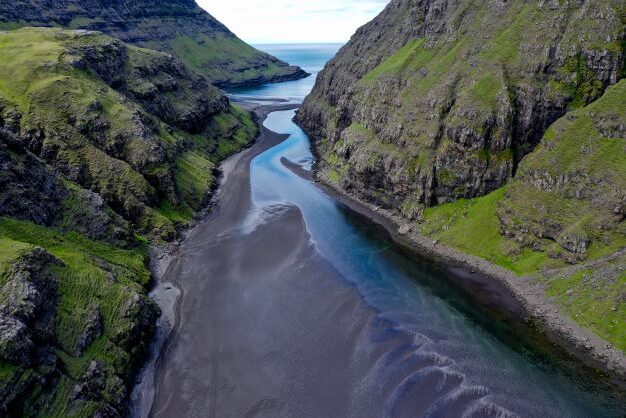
<point>497,286</point>
<point>165,259</point>
<point>253,299</point>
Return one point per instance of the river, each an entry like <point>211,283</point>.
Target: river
<point>292,305</point>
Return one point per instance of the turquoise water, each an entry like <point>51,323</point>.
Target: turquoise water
<point>455,358</point>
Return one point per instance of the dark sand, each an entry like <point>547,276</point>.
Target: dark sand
<point>264,326</point>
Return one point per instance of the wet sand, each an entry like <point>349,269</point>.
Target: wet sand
<point>264,327</point>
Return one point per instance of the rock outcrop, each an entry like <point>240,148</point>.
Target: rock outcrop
<point>28,190</point>
<point>33,342</point>
<point>28,299</point>
<point>570,193</point>
<point>179,27</point>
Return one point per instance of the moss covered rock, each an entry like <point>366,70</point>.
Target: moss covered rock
<point>101,145</point>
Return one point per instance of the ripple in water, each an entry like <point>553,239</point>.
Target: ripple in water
<point>432,358</point>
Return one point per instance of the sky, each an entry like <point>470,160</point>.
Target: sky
<point>293,21</point>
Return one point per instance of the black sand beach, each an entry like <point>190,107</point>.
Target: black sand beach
<point>244,341</point>
<point>263,326</point>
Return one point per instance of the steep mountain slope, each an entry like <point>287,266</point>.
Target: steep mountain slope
<point>102,145</point>
<point>434,101</point>
<point>493,127</point>
<point>178,27</point>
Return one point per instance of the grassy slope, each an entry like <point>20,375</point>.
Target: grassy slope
<point>593,293</point>
<point>186,32</point>
<point>85,280</point>
<point>472,226</point>
<point>30,79</point>
<point>45,92</point>
<point>222,58</point>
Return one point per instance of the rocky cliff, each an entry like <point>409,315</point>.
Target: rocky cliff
<point>179,27</point>
<point>103,146</point>
<point>434,101</point>
<point>496,127</point>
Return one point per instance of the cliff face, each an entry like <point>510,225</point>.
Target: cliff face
<point>495,127</point>
<point>561,219</point>
<point>103,145</point>
<point>434,101</point>
<point>569,195</point>
<point>178,27</point>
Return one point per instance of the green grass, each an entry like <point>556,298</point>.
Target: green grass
<point>7,371</point>
<point>176,215</point>
<point>93,273</point>
<point>194,177</point>
<point>220,57</point>
<point>76,250</point>
<point>245,131</point>
<point>333,176</point>
<point>472,226</point>
<point>412,54</point>
<point>9,251</point>
<point>81,22</point>
<point>486,89</point>
<point>12,25</point>
<point>23,53</point>
<point>595,299</point>
<point>504,47</point>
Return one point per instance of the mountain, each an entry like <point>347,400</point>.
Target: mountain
<point>178,27</point>
<point>104,147</point>
<point>496,127</point>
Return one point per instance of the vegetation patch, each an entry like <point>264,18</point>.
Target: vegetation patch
<point>223,58</point>
<point>412,54</point>
<point>472,226</point>
<point>93,274</point>
<point>595,297</point>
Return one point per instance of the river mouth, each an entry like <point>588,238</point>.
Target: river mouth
<point>293,305</point>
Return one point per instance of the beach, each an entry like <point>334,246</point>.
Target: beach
<point>258,323</point>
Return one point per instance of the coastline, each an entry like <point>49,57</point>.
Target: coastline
<point>473,273</point>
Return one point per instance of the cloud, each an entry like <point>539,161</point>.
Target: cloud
<point>286,21</point>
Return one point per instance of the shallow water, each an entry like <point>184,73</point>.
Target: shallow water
<point>298,307</point>
<point>442,356</point>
